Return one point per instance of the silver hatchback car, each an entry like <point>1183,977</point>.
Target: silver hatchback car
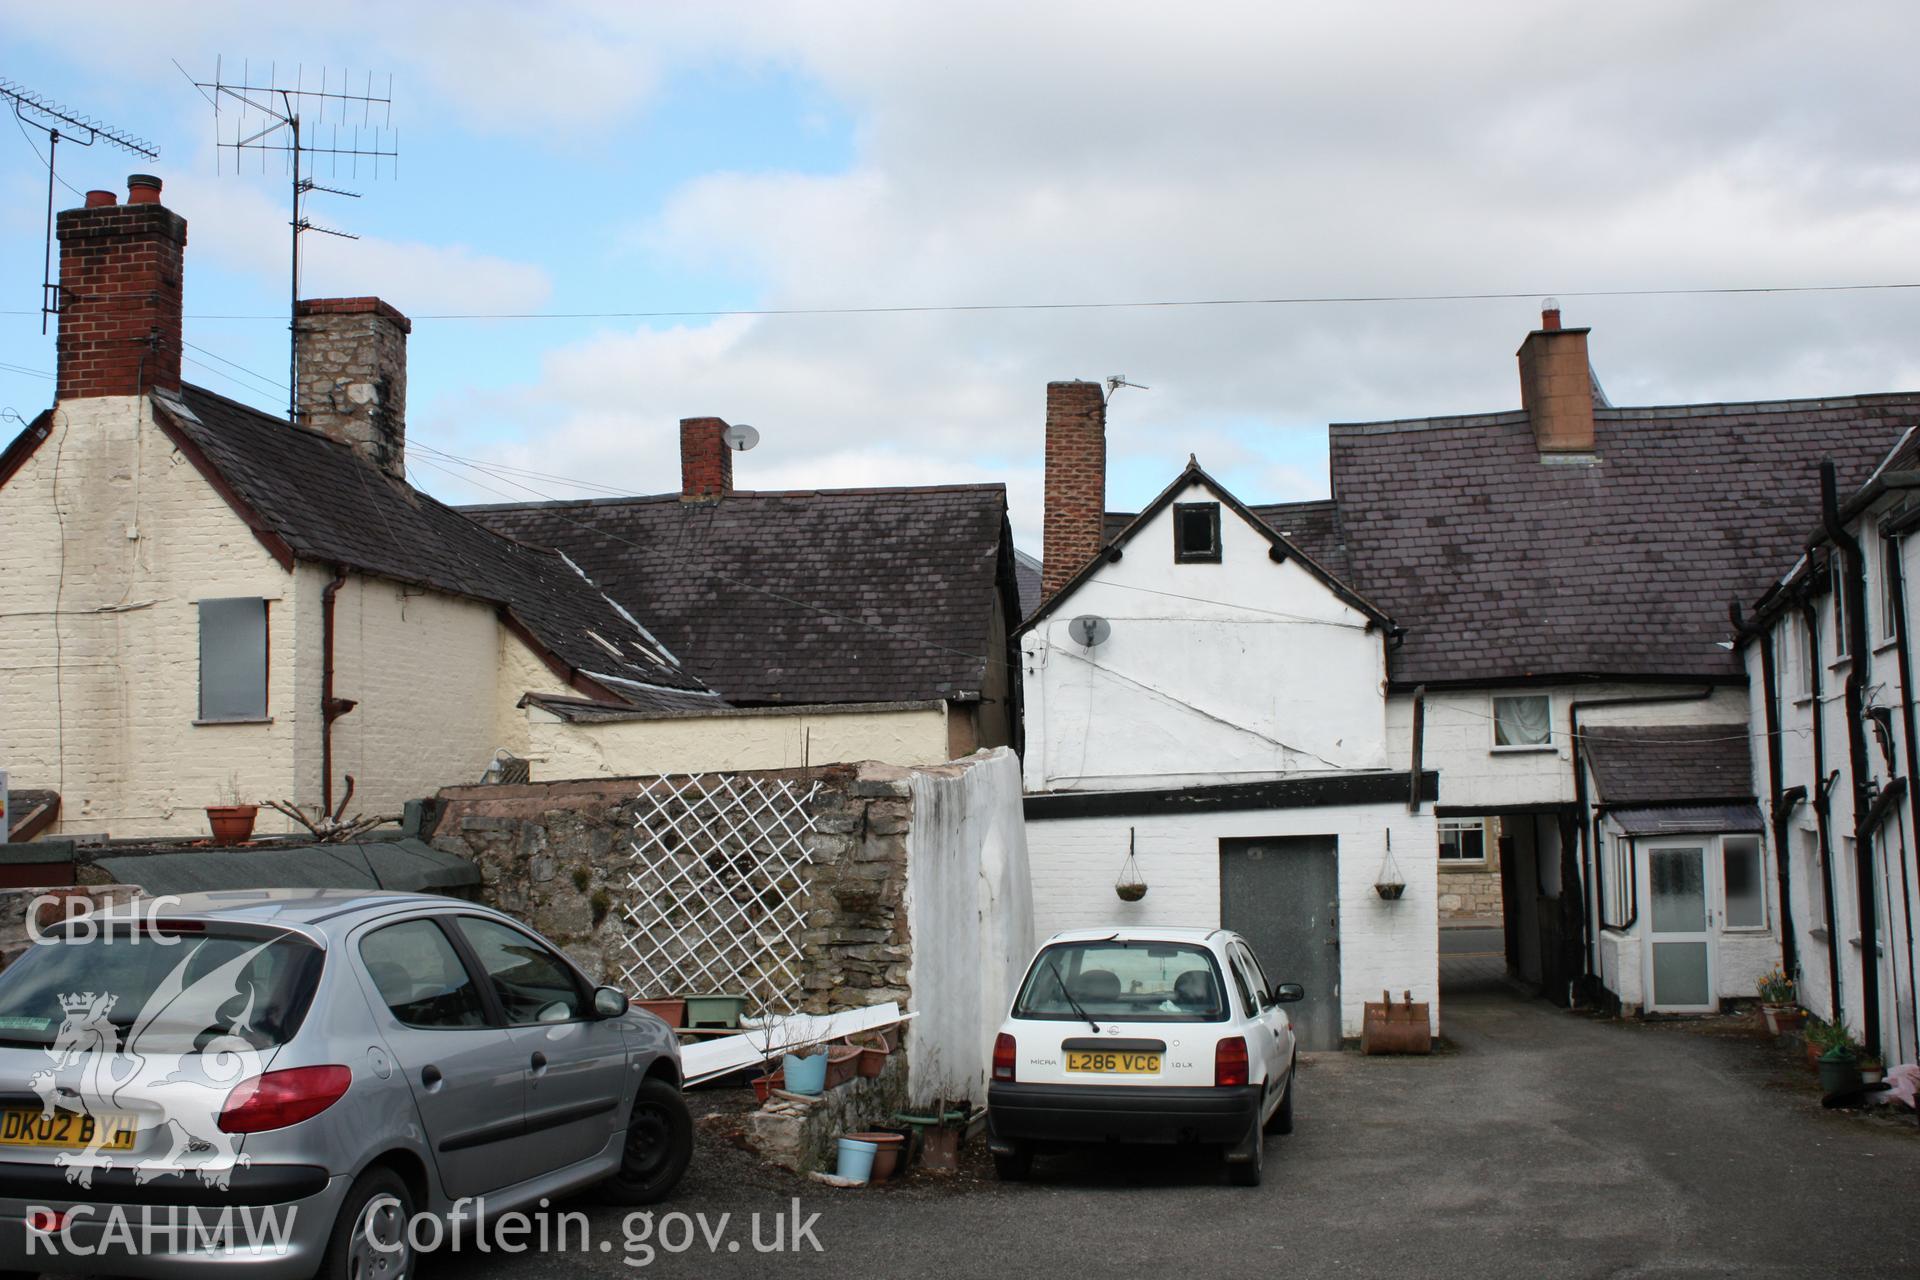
<point>294,1082</point>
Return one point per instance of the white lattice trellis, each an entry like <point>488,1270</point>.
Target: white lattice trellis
<point>718,895</point>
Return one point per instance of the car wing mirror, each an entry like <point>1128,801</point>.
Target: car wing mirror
<point>609,1002</point>
<point>1288,993</point>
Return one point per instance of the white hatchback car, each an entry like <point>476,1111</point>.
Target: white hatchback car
<point>1143,1035</point>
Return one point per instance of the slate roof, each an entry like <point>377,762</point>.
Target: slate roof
<point>318,499</point>
<point>1637,766</point>
<point>1026,572</point>
<point>829,596</point>
<point>1503,567</point>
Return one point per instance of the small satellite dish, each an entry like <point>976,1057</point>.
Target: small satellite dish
<point>1089,629</point>
<point>741,437</point>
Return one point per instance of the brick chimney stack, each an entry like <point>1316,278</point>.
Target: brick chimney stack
<point>1076,482</point>
<point>353,376</point>
<point>120,285</point>
<point>1556,385</point>
<point>706,463</point>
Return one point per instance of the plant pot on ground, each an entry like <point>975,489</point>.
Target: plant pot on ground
<point>232,823</point>
<point>1839,1071</point>
<point>1872,1071</point>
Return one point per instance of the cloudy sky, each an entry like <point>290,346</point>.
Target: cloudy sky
<point>622,157</point>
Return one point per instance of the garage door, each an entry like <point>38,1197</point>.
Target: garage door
<point>1283,896</point>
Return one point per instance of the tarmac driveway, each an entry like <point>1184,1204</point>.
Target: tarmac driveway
<point>1542,1143</point>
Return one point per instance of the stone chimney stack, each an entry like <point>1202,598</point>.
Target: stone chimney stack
<point>120,288</point>
<point>706,463</point>
<point>1076,483</point>
<point>353,376</point>
<point>1556,385</point>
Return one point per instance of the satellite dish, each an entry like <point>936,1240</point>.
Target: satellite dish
<point>1089,629</point>
<point>740,437</point>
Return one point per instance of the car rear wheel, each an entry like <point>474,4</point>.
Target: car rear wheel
<point>370,1235</point>
<point>1281,1121</point>
<point>1246,1173</point>
<point>1014,1165</point>
<point>659,1146</point>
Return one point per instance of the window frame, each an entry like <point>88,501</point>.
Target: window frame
<point>1837,609</point>
<point>265,713</point>
<point>1759,879</point>
<point>1442,825</point>
<point>1240,956</point>
<point>1801,655</point>
<point>1181,555</point>
<point>1885,628</point>
<point>1493,707</point>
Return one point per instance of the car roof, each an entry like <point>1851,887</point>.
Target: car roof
<point>1138,933</point>
<point>308,910</point>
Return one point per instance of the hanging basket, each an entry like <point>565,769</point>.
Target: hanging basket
<point>1130,887</point>
<point>1390,884</point>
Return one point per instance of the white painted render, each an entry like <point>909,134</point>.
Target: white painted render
<point>1227,672</point>
<point>728,741</point>
<point>1458,737</point>
<point>970,918</point>
<point>1383,945</point>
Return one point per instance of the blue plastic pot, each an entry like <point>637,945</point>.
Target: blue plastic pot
<point>856,1160</point>
<point>806,1075</point>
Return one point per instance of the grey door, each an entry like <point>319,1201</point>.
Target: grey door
<point>1283,896</point>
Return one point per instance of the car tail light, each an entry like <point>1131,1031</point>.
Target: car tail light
<point>1230,1061</point>
<point>280,1098</point>
<point>1003,1057</point>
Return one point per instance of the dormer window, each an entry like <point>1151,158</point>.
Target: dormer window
<point>1196,532</point>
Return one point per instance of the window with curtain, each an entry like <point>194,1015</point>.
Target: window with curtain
<point>1523,721</point>
<point>233,659</point>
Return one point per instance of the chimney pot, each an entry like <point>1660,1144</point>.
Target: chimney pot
<point>1076,481</point>
<point>706,464</point>
<point>101,199</point>
<point>1550,313</point>
<point>353,376</point>
<point>143,188</point>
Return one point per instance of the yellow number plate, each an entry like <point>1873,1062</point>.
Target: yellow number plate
<point>63,1129</point>
<point>1128,1064</point>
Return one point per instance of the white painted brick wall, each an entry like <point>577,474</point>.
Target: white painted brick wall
<point>1393,945</point>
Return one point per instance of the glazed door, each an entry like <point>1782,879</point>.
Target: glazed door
<point>1680,928</point>
<point>1283,897</point>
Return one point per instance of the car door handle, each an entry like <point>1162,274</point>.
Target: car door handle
<point>429,1075</point>
<point>539,1061</point>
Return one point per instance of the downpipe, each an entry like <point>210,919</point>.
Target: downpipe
<point>1778,809</point>
<point>331,708</point>
<point>1822,791</point>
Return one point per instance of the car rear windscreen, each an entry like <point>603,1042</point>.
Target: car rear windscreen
<point>179,989</point>
<point>1126,981</point>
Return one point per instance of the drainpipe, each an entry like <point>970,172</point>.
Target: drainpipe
<point>331,708</point>
<point>1419,748</point>
<point>1822,787</point>
<point>1778,810</point>
<point>1897,583</point>
<point>1853,584</point>
<point>1589,942</point>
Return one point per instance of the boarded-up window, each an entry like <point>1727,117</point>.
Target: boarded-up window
<point>233,659</point>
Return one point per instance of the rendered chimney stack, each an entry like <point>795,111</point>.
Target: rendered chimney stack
<point>1076,482</point>
<point>353,376</point>
<point>120,286</point>
<point>706,463</point>
<point>1556,385</point>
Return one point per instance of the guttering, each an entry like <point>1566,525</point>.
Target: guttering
<point>1903,652</point>
<point>331,708</point>
<point>1810,618</point>
<point>1853,586</point>
<point>1587,872</point>
<point>1543,680</point>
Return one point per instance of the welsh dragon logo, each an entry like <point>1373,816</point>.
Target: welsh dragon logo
<point>144,1075</point>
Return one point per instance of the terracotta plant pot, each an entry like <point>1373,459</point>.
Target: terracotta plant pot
<point>669,1010</point>
<point>232,823</point>
<point>886,1156</point>
<point>873,1060</point>
<point>763,1086</point>
<point>842,1061</point>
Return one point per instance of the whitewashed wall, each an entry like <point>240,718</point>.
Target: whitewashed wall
<point>1458,737</point>
<point>1392,945</point>
<point>1213,673</point>
<point>763,738</point>
<point>970,916</point>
